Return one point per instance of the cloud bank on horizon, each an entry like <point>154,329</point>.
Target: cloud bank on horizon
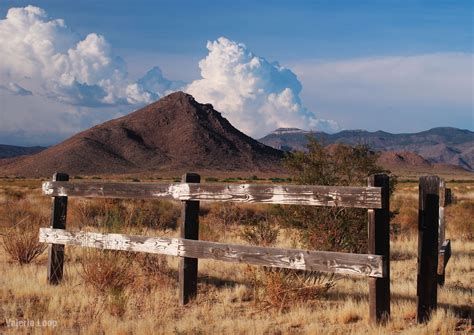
<point>44,59</point>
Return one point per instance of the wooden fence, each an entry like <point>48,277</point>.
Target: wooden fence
<point>375,197</point>
<point>434,250</point>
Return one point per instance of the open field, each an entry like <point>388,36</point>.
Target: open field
<point>122,293</point>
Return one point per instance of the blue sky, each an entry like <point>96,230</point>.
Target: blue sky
<point>399,66</point>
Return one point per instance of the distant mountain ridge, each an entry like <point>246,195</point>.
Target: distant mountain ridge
<point>8,151</point>
<point>443,145</point>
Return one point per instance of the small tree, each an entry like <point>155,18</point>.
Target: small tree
<point>331,228</point>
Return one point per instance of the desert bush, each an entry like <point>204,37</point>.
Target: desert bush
<point>264,232</point>
<point>107,271</point>
<point>21,240</point>
<point>281,287</point>
<point>154,271</point>
<point>330,228</point>
<point>155,265</point>
<point>284,287</point>
<point>21,221</point>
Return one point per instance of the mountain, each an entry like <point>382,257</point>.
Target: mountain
<point>174,133</point>
<point>443,145</point>
<point>8,151</point>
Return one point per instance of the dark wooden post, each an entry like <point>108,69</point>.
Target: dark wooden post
<point>58,221</point>
<point>428,225</point>
<point>189,229</point>
<point>379,244</point>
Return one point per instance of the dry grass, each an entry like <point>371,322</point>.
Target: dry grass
<point>145,300</point>
<point>106,270</point>
<point>21,241</point>
<point>19,223</point>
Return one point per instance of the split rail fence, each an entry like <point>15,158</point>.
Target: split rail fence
<point>374,197</point>
<point>375,264</point>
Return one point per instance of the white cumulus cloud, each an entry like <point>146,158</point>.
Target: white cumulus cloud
<point>49,72</point>
<point>49,56</point>
<point>255,95</point>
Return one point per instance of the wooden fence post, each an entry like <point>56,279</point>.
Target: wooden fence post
<point>189,229</point>
<point>58,221</point>
<point>379,244</point>
<point>428,225</point>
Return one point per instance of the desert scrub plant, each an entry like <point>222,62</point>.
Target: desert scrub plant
<point>154,271</point>
<point>277,287</point>
<point>107,270</point>
<point>282,288</point>
<point>264,232</point>
<point>333,228</point>
<point>20,241</point>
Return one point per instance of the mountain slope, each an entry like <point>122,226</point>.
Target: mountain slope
<point>175,132</point>
<point>438,145</point>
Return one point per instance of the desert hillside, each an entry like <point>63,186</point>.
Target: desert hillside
<point>174,133</point>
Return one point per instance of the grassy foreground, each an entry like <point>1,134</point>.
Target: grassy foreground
<point>143,299</point>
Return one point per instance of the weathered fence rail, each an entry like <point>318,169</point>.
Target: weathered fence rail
<point>374,197</point>
<point>342,196</point>
<point>325,261</point>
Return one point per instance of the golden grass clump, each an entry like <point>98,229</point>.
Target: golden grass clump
<point>281,288</point>
<point>107,270</point>
<point>21,222</point>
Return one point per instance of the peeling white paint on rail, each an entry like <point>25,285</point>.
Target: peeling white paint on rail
<point>177,191</point>
<point>313,195</point>
<point>47,188</point>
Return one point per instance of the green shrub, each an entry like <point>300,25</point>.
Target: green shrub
<point>330,228</point>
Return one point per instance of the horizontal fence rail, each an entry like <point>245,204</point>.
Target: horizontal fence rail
<point>324,261</point>
<point>344,196</point>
